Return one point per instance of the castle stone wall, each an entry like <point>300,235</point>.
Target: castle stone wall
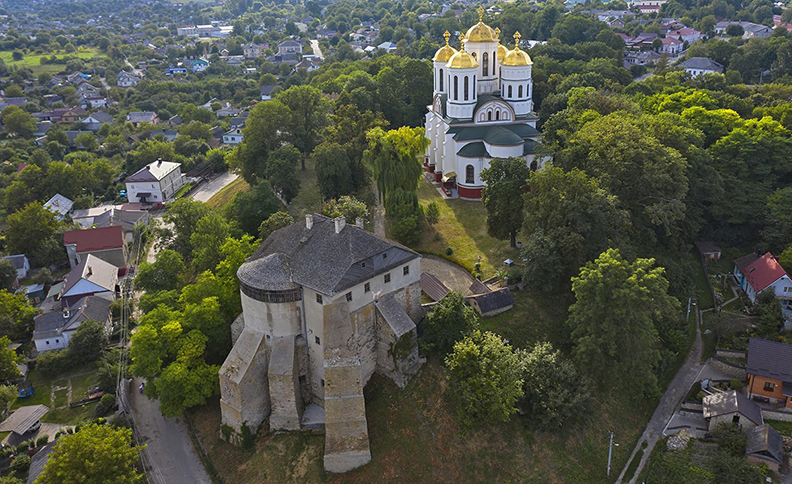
<point>284,388</point>
<point>244,390</point>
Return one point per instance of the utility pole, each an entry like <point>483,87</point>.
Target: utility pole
<point>610,452</point>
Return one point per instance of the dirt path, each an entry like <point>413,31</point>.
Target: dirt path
<point>676,391</point>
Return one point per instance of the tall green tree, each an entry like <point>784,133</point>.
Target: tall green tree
<point>209,235</point>
<point>281,171</point>
<point>308,110</point>
<point>17,121</point>
<point>8,274</point>
<point>249,209</point>
<point>8,361</point>
<point>614,319</point>
<point>335,171</point>
<point>97,454</point>
<point>16,316</point>
<point>450,320</point>
<point>264,131</point>
<point>392,157</point>
<point>505,182</point>
<point>277,220</point>
<point>163,274</point>
<point>183,215</point>
<point>30,228</point>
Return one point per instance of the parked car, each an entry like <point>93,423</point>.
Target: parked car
<point>34,427</point>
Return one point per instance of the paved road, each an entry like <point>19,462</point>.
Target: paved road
<point>680,385</point>
<point>168,446</point>
<point>317,51</point>
<point>207,190</point>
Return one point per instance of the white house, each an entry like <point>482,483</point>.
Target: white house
<point>482,109</point>
<point>671,46</point>
<point>21,264</point>
<point>266,92</point>
<point>290,46</point>
<point>127,79</point>
<point>95,121</point>
<point>59,205</point>
<point>685,34</point>
<point>233,136</point>
<point>92,276</point>
<point>697,66</point>
<point>756,274</point>
<point>156,182</point>
<point>53,330</point>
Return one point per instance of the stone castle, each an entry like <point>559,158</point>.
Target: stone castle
<point>324,306</point>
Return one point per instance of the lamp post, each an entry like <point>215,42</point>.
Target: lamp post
<point>610,452</point>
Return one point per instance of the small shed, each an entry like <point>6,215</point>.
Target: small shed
<point>765,446</point>
<point>493,302</point>
<point>731,407</point>
<point>709,251</point>
<point>23,419</point>
<point>36,293</point>
<point>432,286</point>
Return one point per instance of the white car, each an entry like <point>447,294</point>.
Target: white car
<point>34,427</point>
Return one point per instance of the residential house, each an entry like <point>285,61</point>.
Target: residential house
<point>750,29</point>
<point>709,251</point>
<point>765,446</point>
<point>238,121</point>
<point>175,70</point>
<point>671,46</point>
<point>228,111</point>
<point>54,329</point>
<point>168,134</point>
<point>290,47</point>
<point>254,51</point>
<point>266,92</point>
<point>61,115</point>
<point>388,47</point>
<point>199,65</point>
<point>233,136</point>
<point>36,293</point>
<point>647,6</point>
<point>59,205</point>
<point>490,303</point>
<point>697,66</point>
<point>127,79</point>
<point>139,117</point>
<point>106,243</point>
<point>310,64</point>
<point>156,182</point>
<point>92,276</point>
<point>175,121</point>
<point>756,274</point>
<point>125,216</point>
<point>685,34</point>
<point>731,407</point>
<point>769,370</point>
<point>641,58</point>
<point>234,60</point>
<point>95,121</point>
<point>289,58</point>
<point>20,263</point>
<point>187,30</point>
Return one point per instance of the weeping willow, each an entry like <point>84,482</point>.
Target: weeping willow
<point>393,159</point>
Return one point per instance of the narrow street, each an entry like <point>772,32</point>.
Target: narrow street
<point>317,51</point>
<point>676,391</point>
<point>208,190</point>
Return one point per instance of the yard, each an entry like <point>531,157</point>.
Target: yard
<point>224,196</point>
<point>56,393</point>
<point>33,61</point>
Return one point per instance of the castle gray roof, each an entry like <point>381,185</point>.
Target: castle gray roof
<point>321,259</point>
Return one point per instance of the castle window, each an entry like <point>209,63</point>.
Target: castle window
<point>319,298</point>
<point>367,287</point>
<point>322,382</point>
<point>467,88</point>
<point>406,270</point>
<point>510,92</point>
<point>485,64</point>
<point>387,278</point>
<point>469,174</point>
<point>349,297</point>
<point>456,88</point>
<point>441,79</point>
<point>519,91</point>
<point>318,341</point>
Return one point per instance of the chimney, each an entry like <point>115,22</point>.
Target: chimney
<point>90,271</point>
<point>309,222</point>
<point>359,223</point>
<point>66,313</point>
<point>340,222</point>
<point>159,162</point>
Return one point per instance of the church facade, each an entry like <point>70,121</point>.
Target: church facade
<point>482,108</point>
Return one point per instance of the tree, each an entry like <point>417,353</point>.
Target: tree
<point>16,316</point>
<point>8,274</point>
<point>735,30</point>
<point>348,207</point>
<point>183,214</point>
<point>308,110</point>
<point>432,213</point>
<point>88,343</point>
<point>29,228</point>
<point>254,206</point>
<point>277,220</point>
<point>281,173</point>
<point>618,307</point>
<point>8,361</point>
<point>209,236</point>
<point>544,264</point>
<point>97,454</point>
<point>8,395</point>
<point>263,132</point>
<point>778,227</point>
<point>334,170</point>
<point>555,393</point>
<point>86,141</point>
<point>392,157</point>
<point>771,316</point>
<point>485,377</point>
<point>450,320</point>
<point>17,121</point>
<point>785,259</point>
<point>163,274</point>
<point>502,196</point>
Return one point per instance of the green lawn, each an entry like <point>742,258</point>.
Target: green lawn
<point>33,61</point>
<point>81,379</point>
<point>81,385</point>
<point>225,195</point>
<point>463,228</point>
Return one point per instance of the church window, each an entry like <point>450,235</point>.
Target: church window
<point>456,88</point>
<point>474,84</point>
<point>485,63</point>
<point>497,115</point>
<point>474,55</point>
<point>489,115</point>
<point>469,174</point>
<point>519,92</point>
<point>510,92</point>
<point>467,88</point>
<point>441,79</point>
<point>319,298</point>
<point>493,62</point>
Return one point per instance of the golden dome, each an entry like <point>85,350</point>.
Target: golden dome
<point>502,51</point>
<point>517,57</point>
<point>462,60</point>
<point>445,52</point>
<point>481,32</point>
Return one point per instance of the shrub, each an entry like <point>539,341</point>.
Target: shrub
<point>42,440</point>
<point>432,213</point>
<point>53,363</point>
<point>21,463</point>
<point>69,430</point>
<point>736,385</point>
<point>22,447</point>
<point>248,437</point>
<point>449,251</point>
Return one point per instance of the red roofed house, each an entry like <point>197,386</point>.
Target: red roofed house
<point>756,274</point>
<point>106,243</point>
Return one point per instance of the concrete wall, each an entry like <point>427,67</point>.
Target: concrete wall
<point>744,423</point>
<point>731,370</point>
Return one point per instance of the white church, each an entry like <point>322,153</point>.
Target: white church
<point>482,108</point>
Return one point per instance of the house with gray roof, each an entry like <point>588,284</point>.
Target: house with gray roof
<point>139,117</point>
<point>53,329</point>
<point>92,276</point>
<point>769,371</point>
<point>325,305</point>
<point>698,66</point>
<point>731,407</point>
<point>95,121</point>
<point>765,446</point>
<point>21,264</point>
<point>156,182</point>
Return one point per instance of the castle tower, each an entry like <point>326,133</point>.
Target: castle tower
<point>516,83</point>
<point>463,73</point>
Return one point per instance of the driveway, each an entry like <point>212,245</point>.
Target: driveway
<point>169,450</point>
<point>208,190</point>
<point>316,50</point>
